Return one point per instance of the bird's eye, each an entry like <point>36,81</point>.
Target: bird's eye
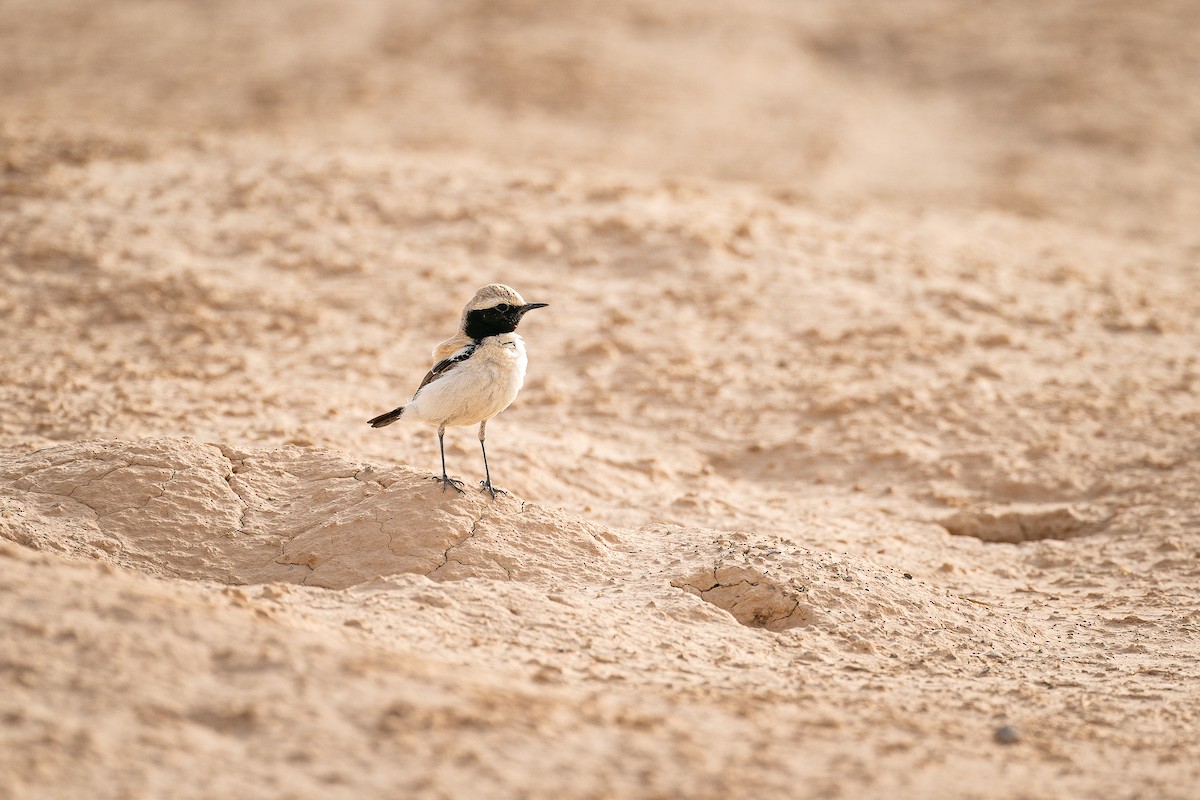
<point>502,307</point>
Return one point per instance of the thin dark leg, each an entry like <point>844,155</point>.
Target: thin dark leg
<point>446,479</point>
<point>487,484</point>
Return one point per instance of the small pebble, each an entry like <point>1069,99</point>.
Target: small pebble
<point>1006,734</point>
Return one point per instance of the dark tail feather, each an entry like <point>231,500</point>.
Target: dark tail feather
<point>386,419</point>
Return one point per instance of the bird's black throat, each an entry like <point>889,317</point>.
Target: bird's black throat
<point>485,322</point>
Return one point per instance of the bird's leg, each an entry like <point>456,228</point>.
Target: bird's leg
<point>487,484</point>
<point>446,479</point>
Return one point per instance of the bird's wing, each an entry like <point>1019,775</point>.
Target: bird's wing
<point>451,346</point>
<point>446,365</point>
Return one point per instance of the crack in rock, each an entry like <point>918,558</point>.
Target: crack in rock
<point>470,533</point>
<point>162,490</point>
<point>234,468</point>
<point>87,484</point>
<point>446,559</point>
<point>755,603</point>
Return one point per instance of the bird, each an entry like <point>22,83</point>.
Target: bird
<point>477,374</point>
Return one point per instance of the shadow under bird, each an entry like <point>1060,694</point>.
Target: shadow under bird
<point>478,373</point>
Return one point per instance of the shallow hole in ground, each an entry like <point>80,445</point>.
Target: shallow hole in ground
<point>1027,523</point>
<point>753,598</point>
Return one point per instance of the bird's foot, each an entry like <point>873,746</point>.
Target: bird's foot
<point>486,486</point>
<point>446,480</point>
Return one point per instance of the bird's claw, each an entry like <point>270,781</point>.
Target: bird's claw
<point>446,480</point>
<point>486,486</point>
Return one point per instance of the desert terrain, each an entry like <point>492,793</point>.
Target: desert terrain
<point>857,456</point>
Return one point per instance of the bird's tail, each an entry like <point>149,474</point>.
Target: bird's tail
<point>386,419</point>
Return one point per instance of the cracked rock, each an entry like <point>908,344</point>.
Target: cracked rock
<point>289,515</point>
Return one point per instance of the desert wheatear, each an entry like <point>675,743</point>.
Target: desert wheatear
<point>477,375</point>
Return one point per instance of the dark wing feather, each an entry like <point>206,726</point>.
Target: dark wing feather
<point>445,365</point>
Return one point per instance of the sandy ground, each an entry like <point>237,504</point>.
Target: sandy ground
<point>857,456</point>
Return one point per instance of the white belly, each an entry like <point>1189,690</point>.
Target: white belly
<point>478,388</point>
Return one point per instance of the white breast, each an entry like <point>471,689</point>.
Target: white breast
<point>477,389</point>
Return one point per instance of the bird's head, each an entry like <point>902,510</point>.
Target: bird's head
<point>495,309</point>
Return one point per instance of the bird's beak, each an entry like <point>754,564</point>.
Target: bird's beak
<point>532,306</point>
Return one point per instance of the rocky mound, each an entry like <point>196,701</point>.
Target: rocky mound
<point>296,515</point>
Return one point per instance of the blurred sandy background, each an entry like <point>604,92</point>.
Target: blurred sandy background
<point>857,455</point>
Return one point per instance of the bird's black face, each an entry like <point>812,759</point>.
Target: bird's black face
<point>502,318</point>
